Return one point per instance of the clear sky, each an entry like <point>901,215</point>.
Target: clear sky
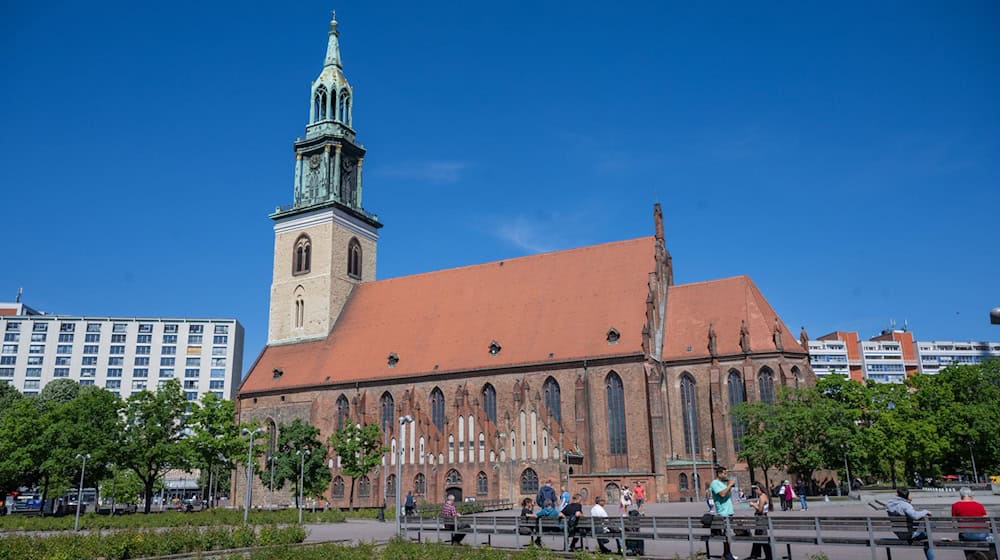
<point>846,156</point>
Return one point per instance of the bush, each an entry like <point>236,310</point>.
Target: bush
<point>122,545</point>
<point>211,517</point>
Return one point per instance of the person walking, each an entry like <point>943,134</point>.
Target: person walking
<point>761,506</point>
<point>800,489</point>
<point>639,492</point>
<point>546,493</point>
<point>410,505</point>
<point>721,489</point>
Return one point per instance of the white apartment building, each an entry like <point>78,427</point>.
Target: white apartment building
<point>121,354</point>
<point>882,361</point>
<point>936,354</point>
<point>829,356</point>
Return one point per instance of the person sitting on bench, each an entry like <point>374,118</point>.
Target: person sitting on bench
<point>529,522</point>
<point>598,511</point>
<point>450,516</point>
<point>573,511</point>
<point>549,511</point>
<point>900,506</point>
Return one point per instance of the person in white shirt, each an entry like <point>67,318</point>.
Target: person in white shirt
<point>597,510</point>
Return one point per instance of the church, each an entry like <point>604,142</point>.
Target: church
<point>588,367</point>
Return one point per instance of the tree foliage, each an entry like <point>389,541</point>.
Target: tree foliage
<point>294,440</point>
<point>359,450</point>
<point>153,435</point>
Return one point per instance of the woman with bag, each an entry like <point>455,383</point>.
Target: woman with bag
<point>760,508</point>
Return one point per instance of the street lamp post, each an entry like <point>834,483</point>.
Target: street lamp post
<point>252,434</point>
<point>302,470</point>
<point>79,490</point>
<point>972,455</point>
<point>403,420</point>
<point>847,469</point>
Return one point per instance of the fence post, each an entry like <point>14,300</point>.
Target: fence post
<point>871,539</point>
<point>517,531</point>
<point>690,537</point>
<point>622,543</point>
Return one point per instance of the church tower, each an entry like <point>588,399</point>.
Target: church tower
<point>325,242</point>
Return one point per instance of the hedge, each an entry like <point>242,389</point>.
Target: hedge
<point>123,545</point>
<point>211,517</point>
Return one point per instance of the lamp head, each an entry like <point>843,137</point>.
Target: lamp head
<point>995,316</point>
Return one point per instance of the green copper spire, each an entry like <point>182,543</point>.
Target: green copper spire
<point>333,44</point>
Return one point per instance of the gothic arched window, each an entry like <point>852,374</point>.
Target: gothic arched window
<point>272,438</point>
<point>364,487</point>
<point>390,485</point>
<point>766,380</point>
<point>615,393</point>
<point>437,408</point>
<point>420,484</point>
<point>552,399</point>
<point>302,255</point>
<point>338,487</point>
<point>354,258</point>
<point>453,478</point>
<point>682,482</point>
<point>319,104</point>
<point>388,406</point>
<point>689,412</point>
<point>797,376</point>
<point>529,482</point>
<point>482,484</point>
<point>343,411</point>
<point>737,395</point>
<point>345,108</point>
<point>490,402</point>
<point>299,318</point>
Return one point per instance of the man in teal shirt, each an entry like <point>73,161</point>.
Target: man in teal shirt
<point>722,494</point>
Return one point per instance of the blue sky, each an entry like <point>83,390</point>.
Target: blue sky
<point>846,156</point>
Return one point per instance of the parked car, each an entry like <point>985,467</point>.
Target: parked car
<point>191,504</point>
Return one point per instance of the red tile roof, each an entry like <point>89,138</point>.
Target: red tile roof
<point>541,308</point>
<point>724,303</point>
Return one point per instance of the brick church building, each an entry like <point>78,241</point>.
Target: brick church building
<point>588,366</point>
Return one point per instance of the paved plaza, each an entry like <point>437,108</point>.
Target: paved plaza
<point>868,505</point>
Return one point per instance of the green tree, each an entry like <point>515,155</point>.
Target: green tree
<point>215,438</point>
<point>359,449</point>
<point>59,391</point>
<point>298,436</point>
<point>8,396</point>
<point>153,440</point>
<point>21,451</point>
<point>122,485</point>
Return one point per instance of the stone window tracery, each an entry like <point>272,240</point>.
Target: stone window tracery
<point>689,413</point>
<point>615,393</point>
<point>302,255</point>
<point>420,485</point>
<point>737,395</point>
<point>364,487</point>
<point>338,487</point>
<point>354,258</point>
<point>343,411</point>
<point>388,406</point>
<point>490,402</point>
<point>766,381</point>
<point>437,408</point>
<point>320,104</point>
<point>553,400</point>
<point>529,482</point>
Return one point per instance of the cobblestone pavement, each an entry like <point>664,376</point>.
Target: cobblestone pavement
<point>870,504</point>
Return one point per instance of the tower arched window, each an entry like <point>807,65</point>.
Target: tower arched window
<point>689,411</point>
<point>343,411</point>
<point>354,258</point>
<point>553,401</point>
<point>320,104</point>
<point>615,392</point>
<point>388,406</point>
<point>766,381</point>
<point>529,482</point>
<point>482,484</point>
<point>302,255</point>
<point>737,395</point>
<point>345,108</point>
<point>437,408</point>
<point>490,402</point>
<point>420,485</point>
<point>300,311</point>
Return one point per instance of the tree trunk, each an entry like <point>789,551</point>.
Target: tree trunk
<point>45,493</point>
<point>350,501</point>
<point>147,484</point>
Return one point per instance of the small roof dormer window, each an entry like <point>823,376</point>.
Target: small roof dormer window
<point>495,348</point>
<point>613,335</point>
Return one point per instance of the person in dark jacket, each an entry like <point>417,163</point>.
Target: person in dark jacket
<point>546,493</point>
